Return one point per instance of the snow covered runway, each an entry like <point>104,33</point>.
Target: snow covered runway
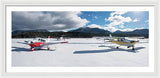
<point>81,52</point>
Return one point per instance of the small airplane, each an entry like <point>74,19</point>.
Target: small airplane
<point>38,43</point>
<point>122,41</point>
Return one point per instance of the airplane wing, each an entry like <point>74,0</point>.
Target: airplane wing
<point>57,42</point>
<point>26,42</point>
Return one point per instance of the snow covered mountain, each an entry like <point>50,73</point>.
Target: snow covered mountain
<point>137,31</point>
<point>91,30</point>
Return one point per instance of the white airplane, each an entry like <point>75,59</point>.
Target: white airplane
<point>38,43</point>
<point>121,41</point>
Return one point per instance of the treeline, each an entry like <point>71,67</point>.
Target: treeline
<point>70,35</point>
<point>131,35</point>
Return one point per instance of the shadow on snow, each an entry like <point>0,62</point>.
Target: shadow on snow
<point>111,49</point>
<point>19,49</point>
<point>83,43</point>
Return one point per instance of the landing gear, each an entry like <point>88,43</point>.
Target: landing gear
<point>133,48</point>
<point>127,47</point>
<point>117,47</point>
<point>32,48</point>
<point>48,48</point>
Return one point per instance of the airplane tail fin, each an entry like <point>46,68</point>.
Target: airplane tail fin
<point>110,35</point>
<point>108,39</point>
<point>49,38</point>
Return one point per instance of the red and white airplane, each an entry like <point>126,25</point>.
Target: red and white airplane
<point>38,43</point>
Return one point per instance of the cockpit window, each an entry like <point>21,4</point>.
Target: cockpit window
<point>41,40</point>
<point>121,39</point>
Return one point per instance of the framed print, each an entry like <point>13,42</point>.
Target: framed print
<point>79,38</point>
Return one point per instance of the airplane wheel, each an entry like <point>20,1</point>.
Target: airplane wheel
<point>117,47</point>
<point>32,49</point>
<point>128,47</point>
<point>133,49</point>
<point>48,48</point>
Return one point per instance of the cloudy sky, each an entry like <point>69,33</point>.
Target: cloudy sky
<point>70,20</point>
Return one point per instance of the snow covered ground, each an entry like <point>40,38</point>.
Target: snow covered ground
<point>81,52</point>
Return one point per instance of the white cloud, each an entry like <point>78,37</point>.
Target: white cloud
<point>127,29</point>
<point>106,19</point>
<point>95,17</point>
<point>135,20</point>
<point>118,20</point>
<point>111,28</point>
<point>118,13</point>
<point>56,20</point>
<point>122,26</point>
<point>60,25</point>
<point>147,21</point>
<point>95,26</point>
<point>140,28</point>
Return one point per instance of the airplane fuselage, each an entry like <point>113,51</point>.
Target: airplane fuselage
<point>124,43</point>
<point>37,45</point>
<point>40,44</point>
